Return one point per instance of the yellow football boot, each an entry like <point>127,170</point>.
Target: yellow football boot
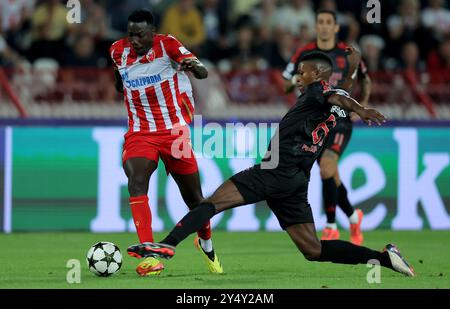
<point>214,265</point>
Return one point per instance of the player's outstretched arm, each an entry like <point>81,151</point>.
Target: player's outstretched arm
<point>368,115</point>
<point>118,84</point>
<point>195,66</point>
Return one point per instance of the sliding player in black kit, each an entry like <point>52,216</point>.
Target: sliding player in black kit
<point>283,175</point>
<point>345,72</point>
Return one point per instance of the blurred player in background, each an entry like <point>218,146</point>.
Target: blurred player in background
<point>149,70</point>
<point>300,137</point>
<point>346,70</point>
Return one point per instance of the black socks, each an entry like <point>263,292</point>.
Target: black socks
<point>343,201</point>
<point>343,252</point>
<point>190,223</point>
<point>333,196</point>
<point>330,196</point>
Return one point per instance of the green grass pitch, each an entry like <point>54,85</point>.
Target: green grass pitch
<point>251,260</point>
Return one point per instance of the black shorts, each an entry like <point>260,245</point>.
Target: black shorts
<point>286,193</point>
<point>338,139</point>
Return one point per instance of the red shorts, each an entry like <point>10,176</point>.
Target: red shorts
<point>174,149</point>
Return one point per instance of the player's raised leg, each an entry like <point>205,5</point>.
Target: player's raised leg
<point>225,197</point>
<point>191,192</point>
<point>342,252</point>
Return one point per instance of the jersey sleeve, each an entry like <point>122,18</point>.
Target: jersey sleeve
<point>113,53</point>
<point>327,90</point>
<point>176,50</point>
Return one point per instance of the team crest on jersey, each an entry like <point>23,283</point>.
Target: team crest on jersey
<point>340,62</point>
<point>326,86</point>
<point>151,56</point>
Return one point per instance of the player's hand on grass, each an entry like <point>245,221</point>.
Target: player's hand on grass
<point>188,64</point>
<point>370,115</point>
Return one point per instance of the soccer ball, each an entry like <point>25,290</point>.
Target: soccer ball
<point>104,259</point>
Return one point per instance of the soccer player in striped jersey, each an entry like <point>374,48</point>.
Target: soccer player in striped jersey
<point>150,72</point>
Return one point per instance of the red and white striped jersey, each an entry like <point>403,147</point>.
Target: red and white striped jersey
<point>157,96</point>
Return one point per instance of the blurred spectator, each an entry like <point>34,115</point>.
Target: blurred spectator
<point>295,14</point>
<point>15,20</point>
<point>280,51</point>
<point>439,63</point>
<point>437,19</point>
<point>372,47</point>
<point>245,52</point>
<point>119,10</point>
<point>405,27</point>
<point>184,21</point>
<point>49,28</point>
<point>349,27</point>
<point>411,57</point>
<point>240,7</point>
<point>265,18</point>
<point>93,20</point>
<point>7,55</point>
<point>13,14</point>
<point>83,53</point>
<point>49,21</point>
<point>215,24</point>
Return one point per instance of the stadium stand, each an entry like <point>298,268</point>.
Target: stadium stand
<point>66,74</point>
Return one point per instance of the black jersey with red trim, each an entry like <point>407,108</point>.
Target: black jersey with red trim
<point>340,63</point>
<point>302,131</point>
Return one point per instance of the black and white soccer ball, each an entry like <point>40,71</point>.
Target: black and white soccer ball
<point>104,259</point>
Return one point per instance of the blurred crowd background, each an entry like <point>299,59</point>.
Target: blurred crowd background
<point>56,69</point>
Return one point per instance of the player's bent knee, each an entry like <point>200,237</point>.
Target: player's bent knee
<point>328,168</point>
<point>138,185</point>
<point>312,253</point>
<point>137,191</point>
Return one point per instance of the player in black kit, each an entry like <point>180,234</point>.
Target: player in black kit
<point>282,177</point>
<point>346,71</point>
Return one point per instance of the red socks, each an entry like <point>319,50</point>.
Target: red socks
<point>142,217</point>
<point>205,232</point>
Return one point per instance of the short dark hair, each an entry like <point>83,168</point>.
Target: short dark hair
<point>141,15</point>
<point>318,56</point>
<point>325,11</point>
